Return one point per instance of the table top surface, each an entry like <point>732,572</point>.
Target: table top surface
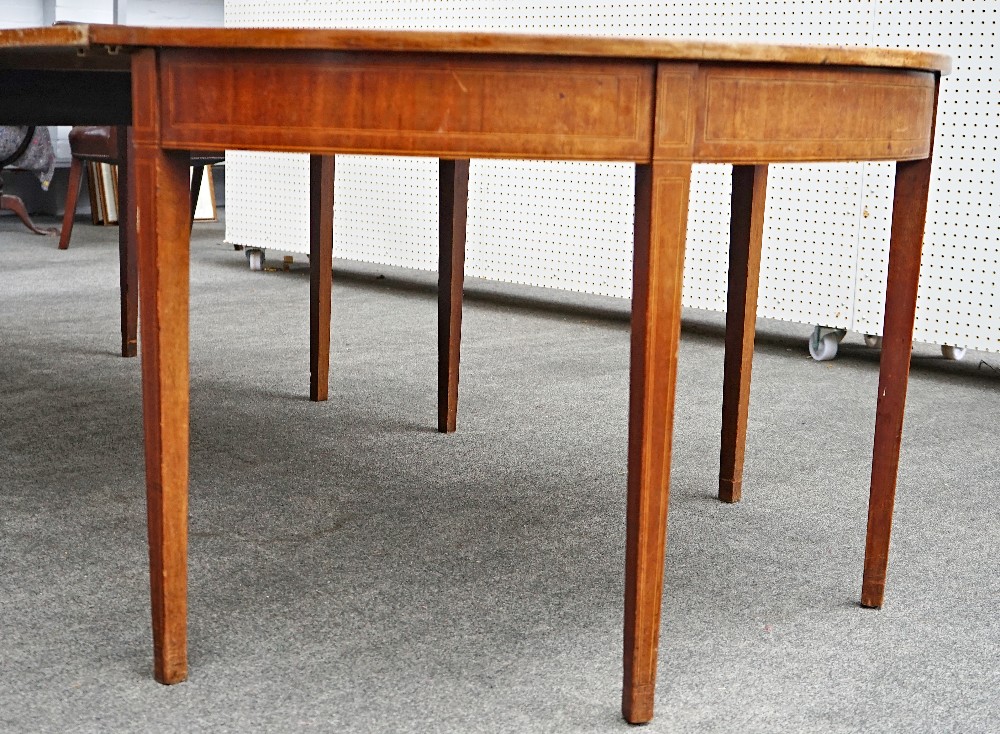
<point>82,37</point>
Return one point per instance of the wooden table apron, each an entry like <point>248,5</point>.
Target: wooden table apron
<point>661,115</point>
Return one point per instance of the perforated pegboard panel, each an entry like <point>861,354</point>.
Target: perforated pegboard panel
<point>569,225</point>
<point>959,296</point>
<point>267,200</point>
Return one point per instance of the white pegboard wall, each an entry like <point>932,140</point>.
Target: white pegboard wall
<point>174,13</point>
<point>845,22</point>
<point>552,224</point>
<point>959,297</point>
<point>267,200</point>
<point>569,225</point>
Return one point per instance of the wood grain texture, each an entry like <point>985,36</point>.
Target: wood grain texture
<point>321,177</point>
<point>68,35</point>
<point>767,114</point>
<point>677,85</point>
<point>580,109</point>
<point>746,235</point>
<point>145,98</point>
<point>162,229</point>
<point>453,198</point>
<point>118,38</point>
<point>909,213</point>
<point>661,203</point>
<point>377,104</point>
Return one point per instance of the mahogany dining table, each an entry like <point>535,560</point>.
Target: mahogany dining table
<point>662,105</point>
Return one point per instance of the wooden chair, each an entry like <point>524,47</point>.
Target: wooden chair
<point>104,144</point>
<point>99,144</point>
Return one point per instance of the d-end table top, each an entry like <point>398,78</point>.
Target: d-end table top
<point>79,38</point>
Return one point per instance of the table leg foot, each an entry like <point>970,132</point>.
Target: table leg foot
<point>637,705</point>
<point>872,593</point>
<point>730,491</point>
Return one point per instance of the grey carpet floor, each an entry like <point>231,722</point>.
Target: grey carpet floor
<point>352,570</point>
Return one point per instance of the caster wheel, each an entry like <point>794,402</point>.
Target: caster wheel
<point>952,353</point>
<point>824,341</point>
<point>873,340</point>
<point>255,257</point>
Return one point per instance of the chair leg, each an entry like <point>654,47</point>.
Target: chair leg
<point>72,196</point>
<point>14,204</point>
